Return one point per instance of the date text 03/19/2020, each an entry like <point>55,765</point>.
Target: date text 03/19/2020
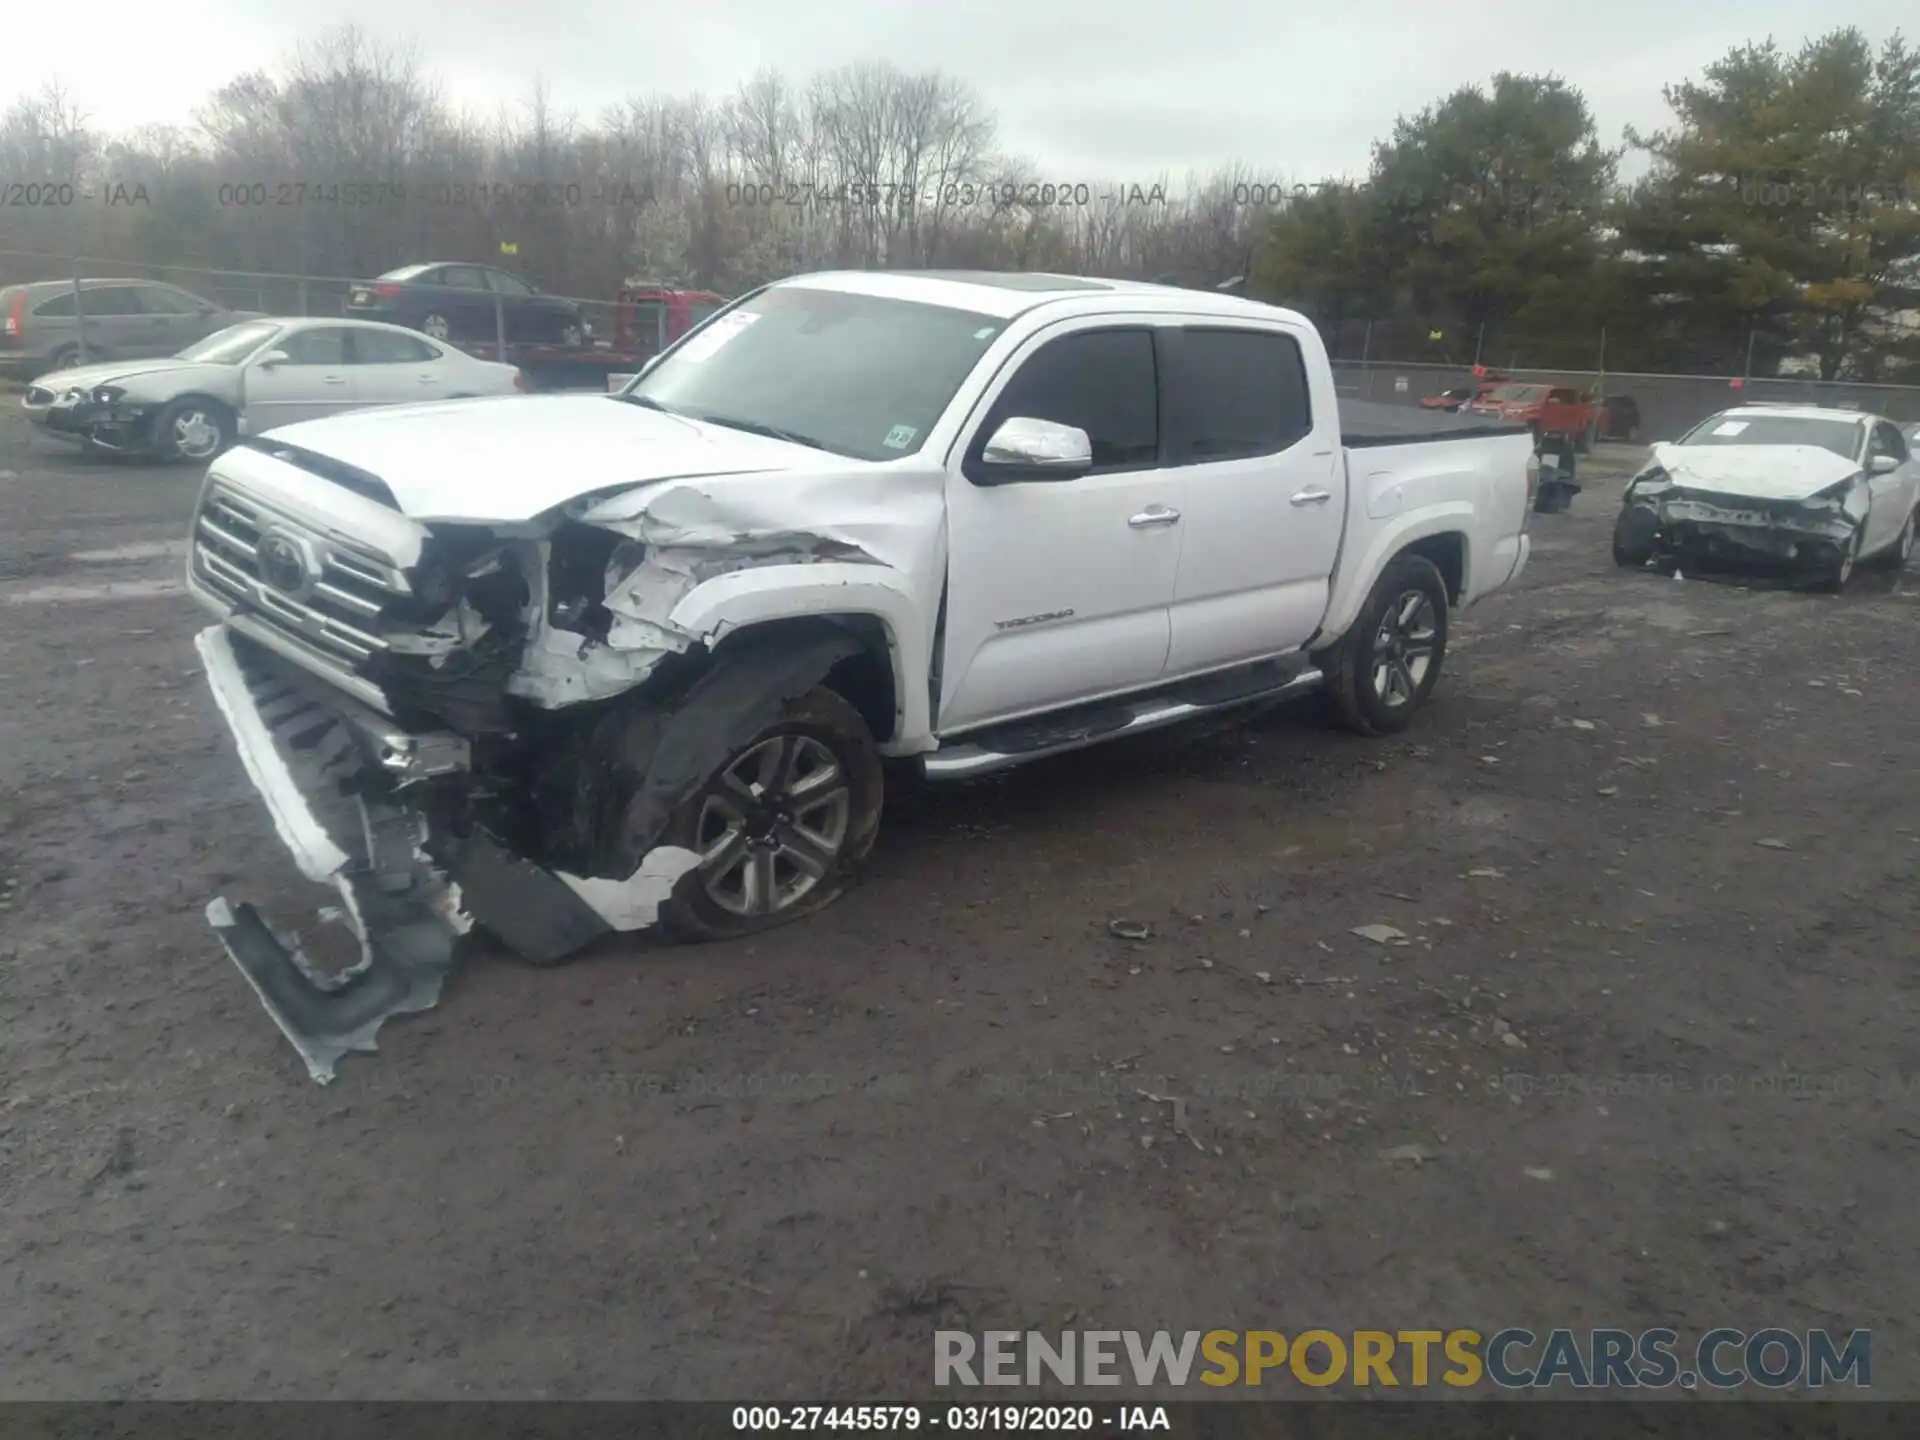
<point>958,1419</point>
<point>874,195</point>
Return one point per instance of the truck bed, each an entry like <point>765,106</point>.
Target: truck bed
<point>1366,423</point>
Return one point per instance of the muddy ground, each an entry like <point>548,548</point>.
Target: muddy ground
<point>1663,833</point>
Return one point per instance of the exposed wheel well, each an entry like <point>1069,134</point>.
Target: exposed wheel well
<point>865,681</point>
<point>1448,552</point>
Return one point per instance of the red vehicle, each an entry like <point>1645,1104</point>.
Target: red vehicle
<point>652,317</point>
<point>1550,411</point>
<point>1461,395</point>
<point>646,319</point>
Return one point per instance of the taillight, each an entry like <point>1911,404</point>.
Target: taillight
<point>386,292</point>
<point>17,316</point>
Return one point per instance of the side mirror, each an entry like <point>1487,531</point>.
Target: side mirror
<point>272,358</point>
<point>1025,448</point>
<point>1882,465</point>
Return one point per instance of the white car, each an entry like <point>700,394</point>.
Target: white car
<point>254,377</point>
<point>1817,489</point>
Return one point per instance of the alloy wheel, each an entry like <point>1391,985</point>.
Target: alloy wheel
<point>196,435</point>
<point>773,826</point>
<point>1403,648</point>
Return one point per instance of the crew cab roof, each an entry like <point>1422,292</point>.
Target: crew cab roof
<point>1005,294</point>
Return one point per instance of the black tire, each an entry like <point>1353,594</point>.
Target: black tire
<point>1894,557</point>
<point>65,358</point>
<point>1554,498</point>
<point>1634,535</point>
<point>818,720</point>
<point>1411,585</point>
<point>435,326</point>
<point>1834,579</point>
<point>192,430</point>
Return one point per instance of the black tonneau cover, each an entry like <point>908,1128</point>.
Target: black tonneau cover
<point>1365,423</point>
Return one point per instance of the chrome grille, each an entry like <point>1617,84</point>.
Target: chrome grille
<point>335,617</point>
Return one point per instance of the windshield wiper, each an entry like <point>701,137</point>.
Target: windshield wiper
<point>753,427</point>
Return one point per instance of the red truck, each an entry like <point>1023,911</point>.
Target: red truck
<point>647,318</point>
<point>1549,411</point>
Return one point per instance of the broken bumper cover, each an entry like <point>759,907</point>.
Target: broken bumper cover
<point>340,782</point>
<point>1791,533</point>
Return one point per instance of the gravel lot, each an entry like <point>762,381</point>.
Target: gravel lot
<point>1653,850</point>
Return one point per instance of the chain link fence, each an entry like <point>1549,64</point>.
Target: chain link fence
<point>1643,407</point>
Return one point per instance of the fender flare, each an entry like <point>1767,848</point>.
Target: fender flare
<point>1452,518</point>
<point>741,599</point>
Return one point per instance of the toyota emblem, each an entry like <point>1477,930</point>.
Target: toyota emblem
<point>285,565</point>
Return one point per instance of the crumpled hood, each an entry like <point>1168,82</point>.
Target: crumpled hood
<point>1757,472</point>
<point>509,459</point>
<point>116,372</point>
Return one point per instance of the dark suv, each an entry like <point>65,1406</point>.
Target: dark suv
<point>452,301</point>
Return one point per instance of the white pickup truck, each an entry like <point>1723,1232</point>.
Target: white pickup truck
<point>565,665</point>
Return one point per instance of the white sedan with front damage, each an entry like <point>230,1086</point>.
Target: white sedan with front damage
<point>1816,490</point>
<point>251,378</point>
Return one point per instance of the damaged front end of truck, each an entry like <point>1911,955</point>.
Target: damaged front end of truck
<point>1675,511</point>
<point>457,724</point>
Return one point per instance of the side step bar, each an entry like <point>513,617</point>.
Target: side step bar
<point>1003,746</point>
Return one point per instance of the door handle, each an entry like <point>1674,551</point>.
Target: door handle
<point>1154,515</point>
<point>425,379</point>
<point>1312,497</point>
<point>334,380</point>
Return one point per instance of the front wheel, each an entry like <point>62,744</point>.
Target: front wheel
<point>784,825</point>
<point>1840,571</point>
<point>192,430</point>
<point>1387,664</point>
<point>1636,536</point>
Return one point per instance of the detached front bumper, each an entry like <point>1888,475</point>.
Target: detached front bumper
<point>332,778</point>
<point>346,788</point>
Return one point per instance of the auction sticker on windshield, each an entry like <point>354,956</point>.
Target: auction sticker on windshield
<point>704,345</point>
<point>900,437</point>
<point>1729,427</point>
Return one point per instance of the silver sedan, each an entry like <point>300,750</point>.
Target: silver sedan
<point>254,377</point>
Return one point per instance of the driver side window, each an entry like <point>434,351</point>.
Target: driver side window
<point>1104,382</point>
<point>1887,440</point>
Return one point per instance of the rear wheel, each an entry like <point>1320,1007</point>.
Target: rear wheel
<point>782,827</point>
<point>65,358</point>
<point>572,336</point>
<point>1387,664</point>
<point>435,326</point>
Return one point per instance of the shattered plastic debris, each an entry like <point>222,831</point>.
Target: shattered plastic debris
<point>1409,1154</point>
<point>1487,872</point>
<point>1381,934</point>
<point>1773,844</point>
<point>1130,929</point>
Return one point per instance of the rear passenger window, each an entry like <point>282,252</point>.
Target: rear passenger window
<point>1100,381</point>
<point>1246,394</point>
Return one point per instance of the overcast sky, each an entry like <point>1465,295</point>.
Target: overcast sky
<point>1113,91</point>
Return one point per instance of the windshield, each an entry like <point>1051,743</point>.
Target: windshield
<point>855,374</point>
<point>1514,394</point>
<point>1842,437</point>
<point>231,345</point>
